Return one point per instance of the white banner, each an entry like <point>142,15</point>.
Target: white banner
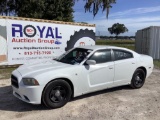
<point>31,41</point>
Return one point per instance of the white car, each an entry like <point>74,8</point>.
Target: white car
<point>80,71</point>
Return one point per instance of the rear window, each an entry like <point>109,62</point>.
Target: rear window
<point>120,54</point>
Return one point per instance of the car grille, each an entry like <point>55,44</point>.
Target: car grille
<point>14,81</point>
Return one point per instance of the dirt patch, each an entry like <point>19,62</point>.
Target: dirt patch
<point>121,103</point>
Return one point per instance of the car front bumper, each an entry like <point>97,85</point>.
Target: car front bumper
<point>29,94</point>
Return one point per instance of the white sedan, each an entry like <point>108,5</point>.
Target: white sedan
<point>80,71</point>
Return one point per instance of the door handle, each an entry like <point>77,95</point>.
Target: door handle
<point>110,68</point>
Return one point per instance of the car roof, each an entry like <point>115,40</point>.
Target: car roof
<point>96,47</point>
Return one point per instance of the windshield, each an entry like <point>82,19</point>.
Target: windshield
<point>75,56</point>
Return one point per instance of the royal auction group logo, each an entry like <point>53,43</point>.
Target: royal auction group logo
<point>18,30</point>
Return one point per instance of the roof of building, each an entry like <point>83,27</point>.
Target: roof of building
<point>47,21</point>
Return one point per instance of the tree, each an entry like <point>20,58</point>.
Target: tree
<point>51,9</point>
<point>117,29</point>
<point>4,8</point>
<point>59,10</point>
<point>95,5</point>
<point>42,9</point>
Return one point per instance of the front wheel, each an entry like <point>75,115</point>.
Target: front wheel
<point>138,79</point>
<point>56,94</point>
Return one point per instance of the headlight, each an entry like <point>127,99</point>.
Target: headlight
<point>30,81</point>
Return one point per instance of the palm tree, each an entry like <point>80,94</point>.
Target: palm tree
<point>95,5</point>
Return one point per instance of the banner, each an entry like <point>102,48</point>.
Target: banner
<point>30,41</point>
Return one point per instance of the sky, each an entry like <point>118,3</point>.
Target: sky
<point>134,14</point>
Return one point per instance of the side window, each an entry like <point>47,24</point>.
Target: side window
<point>120,54</point>
<point>101,56</point>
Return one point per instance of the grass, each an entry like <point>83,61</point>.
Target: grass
<point>112,42</point>
<point>157,63</point>
<point>5,73</point>
<point>119,43</point>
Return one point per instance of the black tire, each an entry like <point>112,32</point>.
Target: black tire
<point>138,79</point>
<point>56,94</point>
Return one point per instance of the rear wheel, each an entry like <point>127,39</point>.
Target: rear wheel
<point>56,94</point>
<point>138,79</point>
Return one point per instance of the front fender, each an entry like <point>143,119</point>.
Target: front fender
<point>74,75</point>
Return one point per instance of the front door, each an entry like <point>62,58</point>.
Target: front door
<point>100,75</point>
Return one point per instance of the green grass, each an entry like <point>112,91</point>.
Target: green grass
<point>112,42</point>
<point>119,43</point>
<point>157,63</point>
<point>5,73</point>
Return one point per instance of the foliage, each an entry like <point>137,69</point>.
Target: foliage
<point>93,6</point>
<point>51,9</point>
<point>117,29</point>
<point>42,9</point>
<point>3,7</point>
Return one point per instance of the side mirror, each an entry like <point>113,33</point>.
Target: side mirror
<point>91,62</point>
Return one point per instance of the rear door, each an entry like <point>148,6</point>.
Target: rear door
<point>125,65</point>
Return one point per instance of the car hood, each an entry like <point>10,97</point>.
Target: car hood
<point>41,67</point>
